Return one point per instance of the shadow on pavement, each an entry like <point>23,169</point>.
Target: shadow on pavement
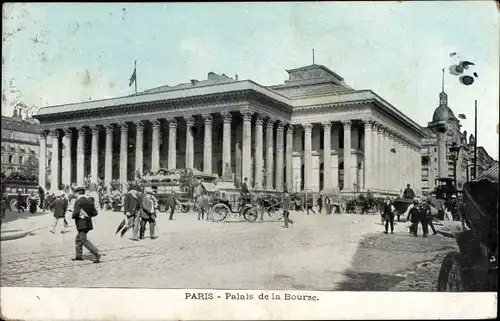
<point>11,216</point>
<point>379,258</point>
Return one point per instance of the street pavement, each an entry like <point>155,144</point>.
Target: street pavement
<point>320,252</point>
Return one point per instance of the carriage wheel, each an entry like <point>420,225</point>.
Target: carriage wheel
<point>219,212</point>
<point>451,276</point>
<point>250,214</point>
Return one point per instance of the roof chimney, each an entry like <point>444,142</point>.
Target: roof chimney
<point>236,77</point>
<point>194,81</point>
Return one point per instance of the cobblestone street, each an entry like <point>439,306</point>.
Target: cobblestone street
<point>337,252</point>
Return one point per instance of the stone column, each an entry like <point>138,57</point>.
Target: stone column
<point>68,164</point>
<point>307,156</point>
<point>269,154</point>
<point>80,157</point>
<point>54,171</point>
<point>155,145</point>
<point>172,144</point>
<point>42,162</point>
<point>108,157</point>
<point>347,156</point>
<point>259,161</point>
<point>123,155</point>
<point>327,155</point>
<point>442,155</point>
<point>226,141</point>
<point>374,158</point>
<point>207,144</point>
<point>387,156</point>
<point>289,158</point>
<point>418,171</point>
<point>279,157</point>
<point>246,168</point>
<point>380,156</point>
<point>397,163</point>
<point>94,156</point>
<point>368,156</point>
<point>139,146</point>
<point>189,142</point>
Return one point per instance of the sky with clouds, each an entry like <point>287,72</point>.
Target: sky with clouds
<point>63,53</point>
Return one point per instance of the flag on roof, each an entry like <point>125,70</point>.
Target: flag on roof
<point>134,75</point>
<point>462,116</point>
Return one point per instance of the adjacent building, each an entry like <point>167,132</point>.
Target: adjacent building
<point>437,158</point>
<point>312,132</point>
<point>20,143</point>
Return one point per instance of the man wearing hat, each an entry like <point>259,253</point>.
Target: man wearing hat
<point>148,213</point>
<point>415,217</point>
<point>131,208</point>
<point>59,207</point>
<point>83,212</point>
<point>388,213</point>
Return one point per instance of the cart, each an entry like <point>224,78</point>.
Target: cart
<point>235,206</point>
<point>474,267</point>
<point>401,206</point>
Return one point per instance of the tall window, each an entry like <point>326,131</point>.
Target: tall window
<point>341,175</point>
<point>10,159</point>
<point>20,160</point>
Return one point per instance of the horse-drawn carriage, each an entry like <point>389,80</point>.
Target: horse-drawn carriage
<point>474,267</point>
<point>235,205</point>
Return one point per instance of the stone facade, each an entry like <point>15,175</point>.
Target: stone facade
<point>20,141</point>
<point>436,157</point>
<point>298,135</point>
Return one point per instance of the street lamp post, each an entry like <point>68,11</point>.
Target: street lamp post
<point>454,150</point>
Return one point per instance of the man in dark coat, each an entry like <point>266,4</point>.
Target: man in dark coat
<point>41,196</point>
<point>83,212</point>
<point>319,202</point>
<point>171,204</point>
<point>147,214</point>
<point>287,207</point>
<point>309,205</point>
<point>415,216</point>
<point>20,202</point>
<point>388,213</point>
<point>131,208</point>
<point>427,218</point>
<point>408,193</point>
<point>59,207</point>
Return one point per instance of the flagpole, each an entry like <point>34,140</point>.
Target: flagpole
<point>135,82</point>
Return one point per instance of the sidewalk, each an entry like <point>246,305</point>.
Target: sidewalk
<point>20,225</point>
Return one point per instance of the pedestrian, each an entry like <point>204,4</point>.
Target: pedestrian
<point>309,205</point>
<point>320,203</point>
<point>287,206</point>
<point>59,208</point>
<point>41,196</point>
<point>172,202</point>
<point>408,193</point>
<point>131,209</point>
<point>32,203</point>
<point>83,212</point>
<point>388,212</point>
<point>147,214</point>
<point>20,202</point>
<point>4,205</point>
<point>427,218</point>
<point>202,206</point>
<point>415,217</point>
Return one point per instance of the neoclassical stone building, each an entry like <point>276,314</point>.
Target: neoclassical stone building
<point>312,132</point>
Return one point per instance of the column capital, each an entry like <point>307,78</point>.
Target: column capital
<point>43,134</point>
<point>369,124</point>
<point>124,127</point>
<point>226,116</point>
<point>289,130</point>
<point>327,126</point>
<point>109,128</point>
<point>189,121</point>
<point>246,114</point>
<point>82,131</point>
<point>156,124</point>
<point>54,133</point>
<point>95,130</point>
<point>139,124</point>
<point>280,127</point>
<point>270,122</point>
<point>172,122</point>
<point>68,132</point>
<point>208,119</point>
<point>347,124</point>
<point>260,120</point>
<point>307,127</point>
